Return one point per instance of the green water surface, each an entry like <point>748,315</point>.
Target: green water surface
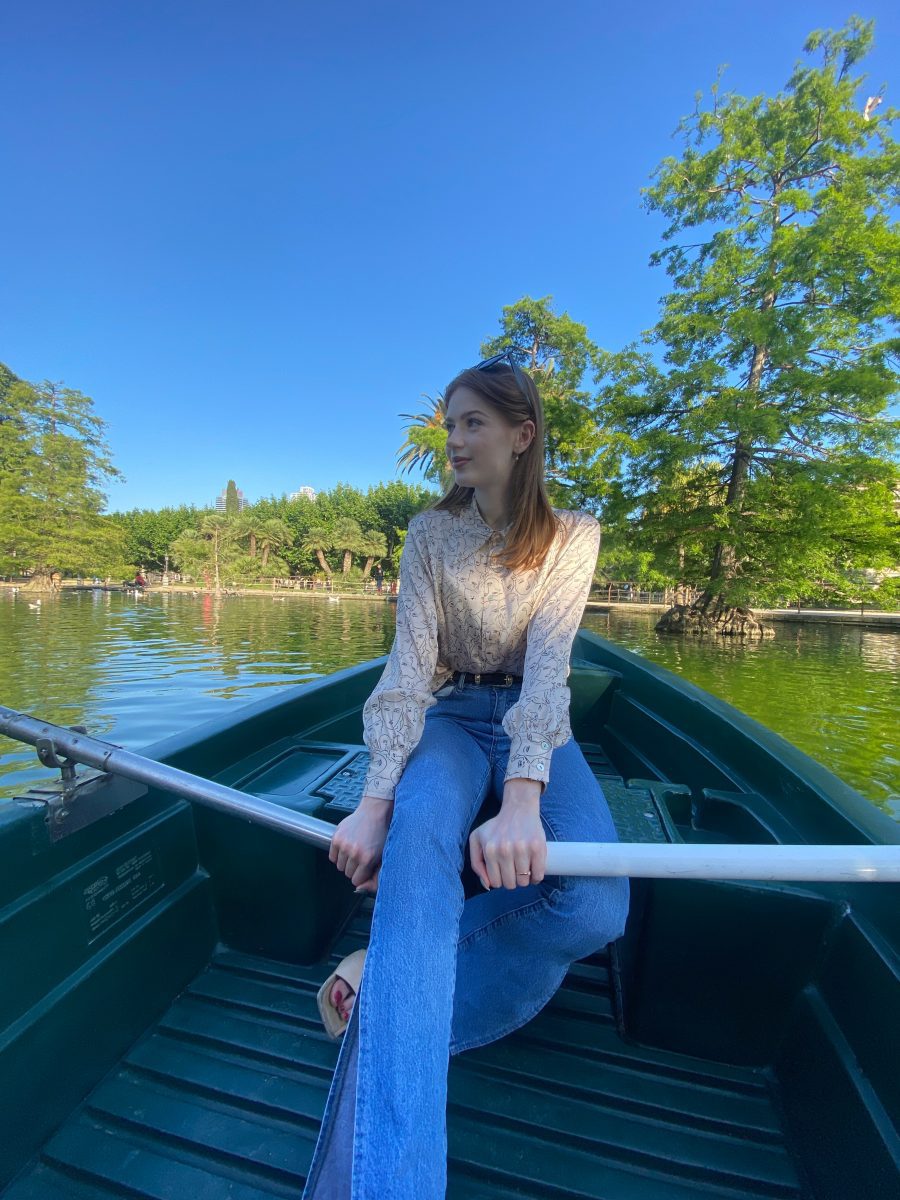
<point>139,669</point>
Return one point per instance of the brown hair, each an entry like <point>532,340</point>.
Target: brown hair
<point>534,524</point>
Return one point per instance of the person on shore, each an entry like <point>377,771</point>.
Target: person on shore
<point>472,706</point>
<point>378,576</point>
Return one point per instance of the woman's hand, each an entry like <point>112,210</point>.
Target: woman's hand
<point>511,849</point>
<point>358,841</point>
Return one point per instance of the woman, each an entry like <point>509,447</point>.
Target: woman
<point>473,703</point>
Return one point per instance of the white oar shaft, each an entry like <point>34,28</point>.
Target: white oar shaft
<point>860,864</point>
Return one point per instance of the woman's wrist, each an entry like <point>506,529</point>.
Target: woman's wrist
<point>376,804</point>
<point>525,792</point>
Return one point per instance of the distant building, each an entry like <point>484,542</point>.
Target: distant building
<point>304,491</point>
<point>220,501</point>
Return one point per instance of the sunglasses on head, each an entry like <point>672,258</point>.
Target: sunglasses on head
<point>507,356</point>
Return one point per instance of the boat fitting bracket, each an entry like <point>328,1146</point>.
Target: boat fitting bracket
<point>75,801</point>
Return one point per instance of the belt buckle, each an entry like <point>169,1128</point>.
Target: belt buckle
<point>476,679</point>
<point>507,680</point>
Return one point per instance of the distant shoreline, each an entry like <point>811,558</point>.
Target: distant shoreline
<point>826,616</point>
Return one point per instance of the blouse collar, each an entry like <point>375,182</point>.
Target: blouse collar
<point>474,513</point>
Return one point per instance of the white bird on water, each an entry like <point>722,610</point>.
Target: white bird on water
<point>34,604</point>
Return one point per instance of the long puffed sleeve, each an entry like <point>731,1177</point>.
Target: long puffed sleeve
<point>539,721</point>
<point>394,714</point>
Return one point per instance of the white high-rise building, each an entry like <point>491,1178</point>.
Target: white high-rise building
<point>304,491</point>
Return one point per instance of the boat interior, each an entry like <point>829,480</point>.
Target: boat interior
<point>159,1035</point>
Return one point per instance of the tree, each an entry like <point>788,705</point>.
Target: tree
<point>273,535</point>
<point>777,360</point>
<point>556,352</point>
<point>425,445</point>
<point>232,501</point>
<point>249,524</point>
<point>374,545</point>
<point>53,464</point>
<point>149,533</point>
<point>216,529</point>
<point>394,505</point>
<point>348,538</point>
<point>318,541</point>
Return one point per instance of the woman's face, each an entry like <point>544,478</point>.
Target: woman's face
<point>480,442</point>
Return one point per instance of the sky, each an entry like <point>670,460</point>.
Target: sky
<point>257,232</point>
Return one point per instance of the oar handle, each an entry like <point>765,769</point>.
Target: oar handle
<point>859,864</point>
<point>865,863</point>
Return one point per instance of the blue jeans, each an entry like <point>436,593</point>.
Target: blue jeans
<point>445,974</point>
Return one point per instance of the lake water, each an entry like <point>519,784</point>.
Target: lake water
<point>136,670</point>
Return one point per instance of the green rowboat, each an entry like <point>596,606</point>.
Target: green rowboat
<point>159,961</point>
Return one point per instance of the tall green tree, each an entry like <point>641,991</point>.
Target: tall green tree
<point>772,367</point>
<point>54,462</point>
<point>232,500</point>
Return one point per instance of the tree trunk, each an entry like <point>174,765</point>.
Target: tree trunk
<point>368,567</point>
<point>265,555</point>
<point>253,545</point>
<point>322,563</point>
<point>348,559</point>
<point>722,618</point>
<point>44,580</point>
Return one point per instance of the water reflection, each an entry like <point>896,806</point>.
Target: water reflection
<point>140,669</point>
<point>143,669</point>
<point>832,690</point>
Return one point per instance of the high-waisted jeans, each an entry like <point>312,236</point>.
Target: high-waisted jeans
<point>445,974</point>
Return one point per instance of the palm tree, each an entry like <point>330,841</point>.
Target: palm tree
<point>318,540</point>
<point>426,438</point>
<point>348,538</point>
<point>273,535</point>
<point>217,529</point>
<point>373,545</point>
<point>248,525</point>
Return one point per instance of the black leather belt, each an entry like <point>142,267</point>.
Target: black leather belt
<point>487,678</point>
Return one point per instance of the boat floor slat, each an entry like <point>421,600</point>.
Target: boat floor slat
<point>224,1096</point>
<point>149,1168</point>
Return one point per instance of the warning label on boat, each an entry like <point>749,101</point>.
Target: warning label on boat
<point>115,893</point>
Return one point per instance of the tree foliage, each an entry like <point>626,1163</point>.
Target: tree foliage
<point>278,536</point>
<point>556,351</point>
<point>54,463</point>
<point>754,417</point>
<point>232,500</point>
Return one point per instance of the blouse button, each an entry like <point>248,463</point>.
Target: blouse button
<point>540,766</point>
<point>546,745</point>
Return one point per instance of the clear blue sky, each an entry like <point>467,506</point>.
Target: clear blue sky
<point>256,231</point>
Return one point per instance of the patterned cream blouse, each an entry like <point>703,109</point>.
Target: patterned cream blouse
<point>459,611</point>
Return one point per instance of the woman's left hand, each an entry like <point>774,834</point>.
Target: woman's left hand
<point>510,850</point>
